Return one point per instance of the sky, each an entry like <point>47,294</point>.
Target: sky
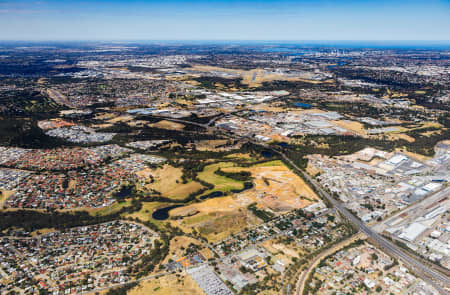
<point>391,20</point>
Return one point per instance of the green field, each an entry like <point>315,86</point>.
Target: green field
<point>221,183</point>
<point>110,209</point>
<point>145,214</point>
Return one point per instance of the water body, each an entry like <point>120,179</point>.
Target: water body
<point>125,191</point>
<point>267,154</point>
<point>303,105</point>
<point>341,63</point>
<point>212,195</point>
<point>279,49</point>
<point>247,185</point>
<point>163,213</point>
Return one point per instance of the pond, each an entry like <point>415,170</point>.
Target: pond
<point>302,105</point>
<point>212,195</point>
<point>216,194</point>
<point>266,154</point>
<point>247,185</point>
<point>124,192</point>
<point>163,213</point>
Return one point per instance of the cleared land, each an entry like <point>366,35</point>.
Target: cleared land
<point>167,180</point>
<point>168,285</point>
<point>177,247</point>
<point>211,145</point>
<point>254,77</point>
<point>164,124</point>
<point>276,188</point>
<point>353,126</point>
<point>215,219</point>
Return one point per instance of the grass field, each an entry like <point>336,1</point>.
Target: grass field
<point>167,181</point>
<point>245,157</point>
<point>273,163</point>
<point>145,214</point>
<point>110,209</point>
<point>168,285</point>
<point>221,183</point>
<point>211,145</point>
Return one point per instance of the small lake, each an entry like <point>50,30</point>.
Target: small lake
<point>212,195</point>
<point>163,213</point>
<point>267,154</point>
<point>124,192</point>
<point>247,185</point>
<point>303,105</point>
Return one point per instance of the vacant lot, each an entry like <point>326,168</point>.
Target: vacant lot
<point>353,126</point>
<point>253,77</point>
<point>211,145</point>
<point>167,180</point>
<point>178,246</point>
<point>215,219</point>
<point>276,188</point>
<point>164,124</point>
<point>168,285</point>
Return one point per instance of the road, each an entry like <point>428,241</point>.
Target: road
<point>304,275</point>
<point>426,273</point>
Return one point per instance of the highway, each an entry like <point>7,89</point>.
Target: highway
<point>423,271</point>
<point>429,275</point>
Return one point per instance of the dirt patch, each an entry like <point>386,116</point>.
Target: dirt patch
<point>168,285</point>
<point>353,126</point>
<point>177,247</point>
<point>211,145</point>
<point>276,188</point>
<point>164,124</point>
<point>5,194</point>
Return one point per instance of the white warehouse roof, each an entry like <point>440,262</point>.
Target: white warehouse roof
<point>412,231</point>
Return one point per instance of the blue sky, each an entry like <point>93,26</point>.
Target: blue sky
<point>224,20</point>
